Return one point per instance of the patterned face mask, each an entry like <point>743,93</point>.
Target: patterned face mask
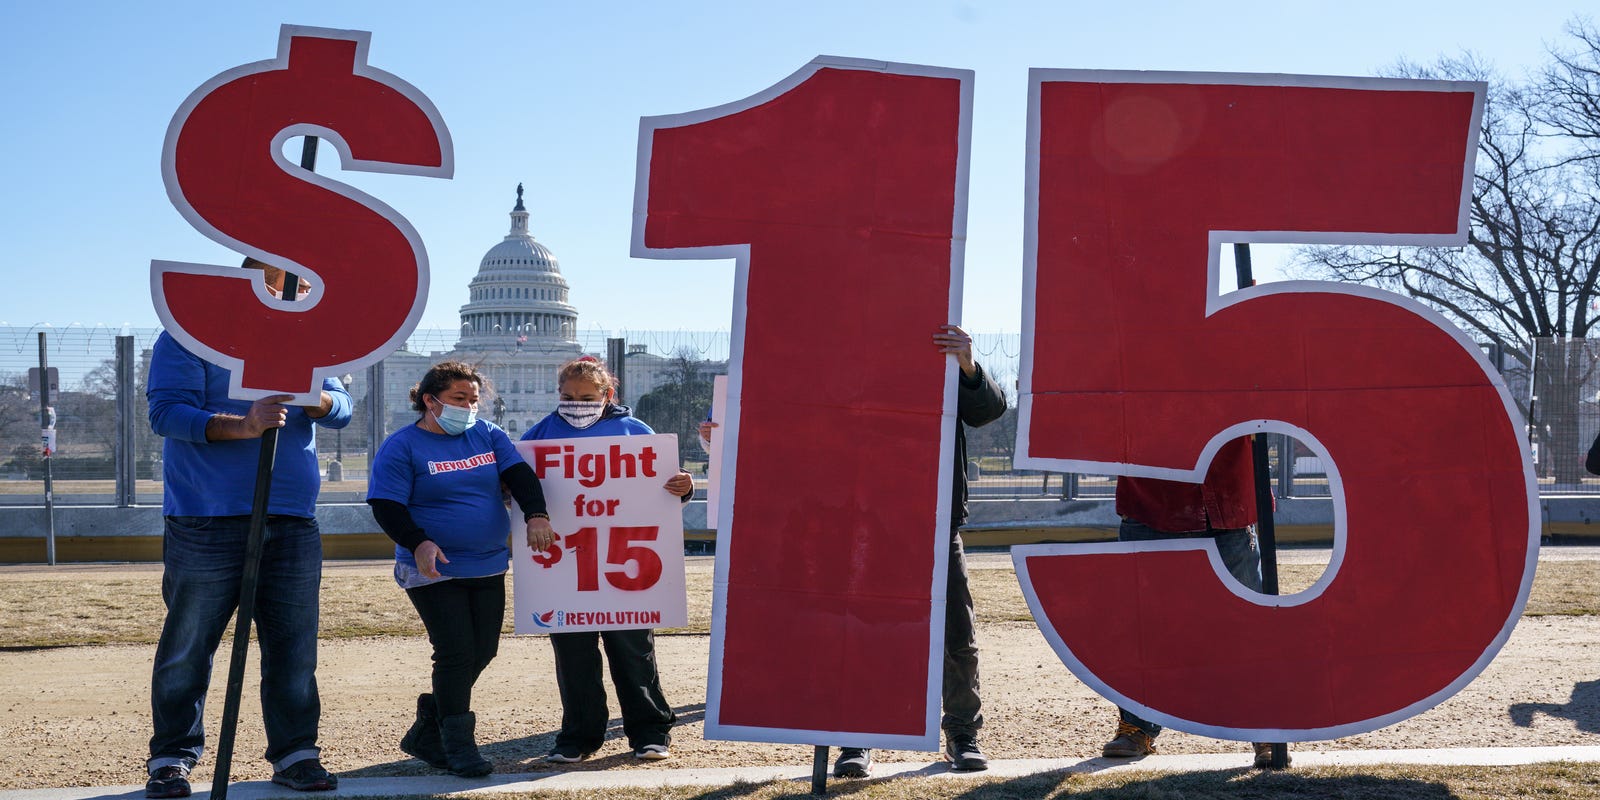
<point>580,414</point>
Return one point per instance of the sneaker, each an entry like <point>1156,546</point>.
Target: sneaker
<point>1130,742</point>
<point>1264,755</point>
<point>854,762</point>
<point>568,755</point>
<point>171,780</point>
<point>652,752</point>
<point>961,750</point>
<point>306,776</point>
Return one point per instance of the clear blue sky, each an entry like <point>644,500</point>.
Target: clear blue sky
<point>550,94</point>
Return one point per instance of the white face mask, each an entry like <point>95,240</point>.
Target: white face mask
<point>580,414</point>
<point>455,420</point>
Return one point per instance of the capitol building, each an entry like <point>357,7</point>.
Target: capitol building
<point>518,327</point>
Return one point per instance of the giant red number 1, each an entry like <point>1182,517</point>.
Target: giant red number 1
<point>225,171</point>
<point>1134,365</point>
<point>840,191</point>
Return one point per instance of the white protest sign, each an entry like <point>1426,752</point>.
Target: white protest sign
<point>617,562</point>
<point>719,415</point>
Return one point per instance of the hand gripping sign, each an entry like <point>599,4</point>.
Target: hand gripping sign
<point>224,168</point>
<point>617,561</point>
<point>840,192</point>
<point>1134,364</point>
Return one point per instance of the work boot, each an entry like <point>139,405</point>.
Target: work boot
<point>854,762</point>
<point>460,748</point>
<point>1129,742</point>
<point>961,750</point>
<point>306,776</point>
<point>1264,755</point>
<point>169,781</point>
<point>422,741</point>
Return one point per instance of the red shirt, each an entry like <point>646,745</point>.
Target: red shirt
<point>1226,500</point>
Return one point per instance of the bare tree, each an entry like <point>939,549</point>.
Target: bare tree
<point>679,403</point>
<point>19,413</point>
<point>1568,90</point>
<point>1528,273</point>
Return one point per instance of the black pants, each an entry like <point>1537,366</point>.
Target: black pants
<point>963,711</point>
<point>646,717</point>
<point>463,617</point>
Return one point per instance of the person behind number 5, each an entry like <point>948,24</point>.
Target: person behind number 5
<point>435,489</point>
<point>587,408</point>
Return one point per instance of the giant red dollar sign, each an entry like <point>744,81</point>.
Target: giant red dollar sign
<point>1134,365</point>
<point>224,169</point>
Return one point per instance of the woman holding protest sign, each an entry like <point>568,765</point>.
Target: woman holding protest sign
<point>435,489</point>
<point>588,408</point>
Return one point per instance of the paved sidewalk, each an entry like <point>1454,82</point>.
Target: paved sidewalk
<point>641,779</point>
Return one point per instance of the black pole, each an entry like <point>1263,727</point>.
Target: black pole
<point>252,560</point>
<point>819,770</point>
<point>1266,532</point>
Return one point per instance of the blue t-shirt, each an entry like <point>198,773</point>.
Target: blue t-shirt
<point>451,487</point>
<point>218,479</point>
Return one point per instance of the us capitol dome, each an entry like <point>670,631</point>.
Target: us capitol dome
<point>518,292</point>
<point>517,328</point>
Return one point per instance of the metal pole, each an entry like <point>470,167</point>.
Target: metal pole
<point>252,561</point>
<point>45,424</point>
<point>127,463</point>
<point>1286,451</point>
<point>819,770</point>
<point>377,411</point>
<point>617,362</point>
<point>1266,534</point>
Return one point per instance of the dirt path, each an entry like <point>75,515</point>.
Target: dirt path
<point>79,716</point>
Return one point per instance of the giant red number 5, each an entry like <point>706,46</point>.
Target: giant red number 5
<point>841,193</point>
<point>1134,365</point>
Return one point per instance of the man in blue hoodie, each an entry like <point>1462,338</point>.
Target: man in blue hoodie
<point>209,463</point>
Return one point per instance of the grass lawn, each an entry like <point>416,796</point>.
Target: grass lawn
<point>104,608</point>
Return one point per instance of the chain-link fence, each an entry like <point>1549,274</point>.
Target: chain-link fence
<point>1557,388</point>
<point>95,423</point>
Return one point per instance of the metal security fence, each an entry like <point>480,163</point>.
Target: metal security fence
<point>92,418</point>
<point>1557,388</point>
<point>107,455</point>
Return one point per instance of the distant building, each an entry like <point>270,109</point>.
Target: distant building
<point>518,328</point>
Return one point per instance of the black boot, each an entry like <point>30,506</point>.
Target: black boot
<point>422,741</point>
<point>460,748</point>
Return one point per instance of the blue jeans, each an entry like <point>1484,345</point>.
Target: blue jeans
<point>203,559</point>
<point>1240,555</point>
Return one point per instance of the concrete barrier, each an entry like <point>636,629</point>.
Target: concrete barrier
<point>109,533</point>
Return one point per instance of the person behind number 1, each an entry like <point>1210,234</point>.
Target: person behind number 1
<point>588,408</point>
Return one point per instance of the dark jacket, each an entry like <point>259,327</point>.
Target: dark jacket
<point>979,401</point>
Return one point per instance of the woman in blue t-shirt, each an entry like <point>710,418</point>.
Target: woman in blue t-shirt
<point>435,489</point>
<point>586,409</point>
